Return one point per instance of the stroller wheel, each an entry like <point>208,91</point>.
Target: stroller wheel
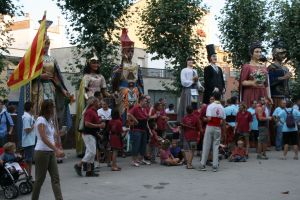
<point>11,192</point>
<point>25,187</point>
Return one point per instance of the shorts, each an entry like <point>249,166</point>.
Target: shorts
<point>290,138</point>
<point>245,135</point>
<point>263,136</point>
<point>254,135</point>
<point>28,153</point>
<point>189,145</point>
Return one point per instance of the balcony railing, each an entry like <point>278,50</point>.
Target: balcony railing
<point>157,73</point>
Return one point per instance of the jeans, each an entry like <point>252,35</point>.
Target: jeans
<point>278,142</point>
<point>239,159</point>
<point>154,151</point>
<point>211,138</point>
<point>139,142</point>
<point>46,161</point>
<point>3,140</point>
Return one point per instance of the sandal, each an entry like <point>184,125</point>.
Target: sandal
<point>115,169</point>
<point>190,167</point>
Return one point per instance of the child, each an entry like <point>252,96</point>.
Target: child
<point>115,137</point>
<point>166,158</point>
<point>154,140</point>
<point>190,124</point>
<point>9,154</point>
<point>176,152</point>
<point>238,153</point>
<point>243,124</point>
<point>28,135</point>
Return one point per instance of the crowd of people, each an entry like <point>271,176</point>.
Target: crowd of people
<point>121,121</point>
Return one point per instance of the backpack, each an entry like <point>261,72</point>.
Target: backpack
<point>290,120</point>
<point>6,119</point>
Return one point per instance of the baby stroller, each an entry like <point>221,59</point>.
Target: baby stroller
<point>14,179</point>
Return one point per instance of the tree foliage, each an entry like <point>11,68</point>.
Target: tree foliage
<point>241,23</point>
<point>167,29</point>
<point>93,25</point>
<point>8,9</point>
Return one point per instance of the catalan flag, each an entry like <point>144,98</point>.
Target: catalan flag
<point>31,64</point>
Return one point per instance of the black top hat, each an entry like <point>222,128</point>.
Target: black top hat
<point>210,50</point>
<point>279,44</point>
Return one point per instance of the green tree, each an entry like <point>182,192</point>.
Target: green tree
<point>167,29</point>
<point>93,27</point>
<point>7,8</point>
<point>286,26</point>
<point>241,23</point>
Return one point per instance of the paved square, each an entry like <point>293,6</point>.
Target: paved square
<point>253,180</point>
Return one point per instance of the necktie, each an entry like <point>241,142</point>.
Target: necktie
<point>216,68</point>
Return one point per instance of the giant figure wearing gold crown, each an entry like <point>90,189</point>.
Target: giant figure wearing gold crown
<point>127,81</point>
<point>92,82</point>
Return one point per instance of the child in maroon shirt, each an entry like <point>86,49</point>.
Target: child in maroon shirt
<point>239,153</point>
<point>243,124</point>
<point>190,125</point>
<point>115,137</point>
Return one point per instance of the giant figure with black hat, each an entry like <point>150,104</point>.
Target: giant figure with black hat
<point>125,76</point>
<point>279,75</point>
<point>213,75</point>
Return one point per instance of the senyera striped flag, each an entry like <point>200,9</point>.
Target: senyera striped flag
<point>31,64</point>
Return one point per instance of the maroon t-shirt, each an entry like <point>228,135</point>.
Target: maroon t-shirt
<point>115,133</point>
<point>243,119</point>
<point>141,114</point>
<point>160,121</point>
<point>91,116</point>
<point>190,131</point>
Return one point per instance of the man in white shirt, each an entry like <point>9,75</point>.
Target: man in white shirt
<point>215,114</point>
<point>170,109</point>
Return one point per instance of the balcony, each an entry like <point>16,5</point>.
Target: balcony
<point>157,73</point>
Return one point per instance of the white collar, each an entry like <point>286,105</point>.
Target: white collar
<point>27,114</point>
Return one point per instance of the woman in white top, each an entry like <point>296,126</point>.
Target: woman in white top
<point>46,151</point>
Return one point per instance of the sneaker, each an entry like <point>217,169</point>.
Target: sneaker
<point>135,164</point>
<point>215,169</point>
<point>296,158</point>
<point>78,170</point>
<point>91,174</point>
<point>283,158</point>
<point>145,162</point>
<point>262,157</point>
<point>202,168</point>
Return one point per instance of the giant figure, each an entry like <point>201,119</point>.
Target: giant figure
<point>127,81</point>
<point>50,85</point>
<point>279,74</point>
<point>213,75</point>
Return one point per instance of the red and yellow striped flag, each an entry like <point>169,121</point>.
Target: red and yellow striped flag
<point>31,64</point>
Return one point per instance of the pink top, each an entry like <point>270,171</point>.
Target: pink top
<point>165,154</point>
<point>250,93</point>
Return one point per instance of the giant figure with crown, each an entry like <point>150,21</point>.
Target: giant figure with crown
<point>127,81</point>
